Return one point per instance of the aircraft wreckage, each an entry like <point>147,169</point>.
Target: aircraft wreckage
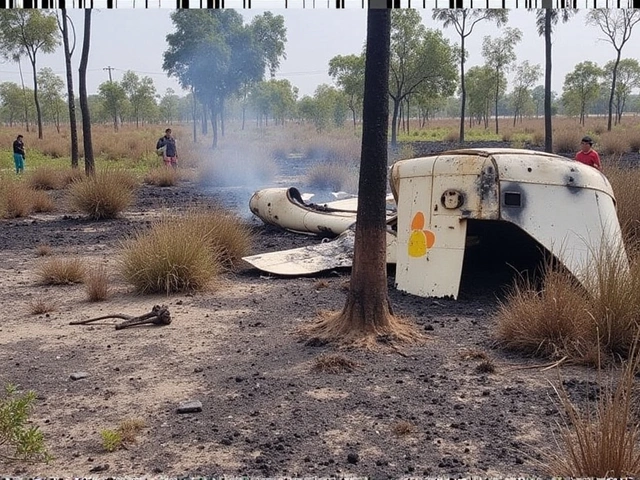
<point>443,204</point>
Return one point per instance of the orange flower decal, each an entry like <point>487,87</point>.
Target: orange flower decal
<point>420,240</point>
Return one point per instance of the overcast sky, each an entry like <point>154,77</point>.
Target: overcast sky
<point>135,39</point>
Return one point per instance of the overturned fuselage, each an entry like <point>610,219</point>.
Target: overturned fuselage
<point>566,207</point>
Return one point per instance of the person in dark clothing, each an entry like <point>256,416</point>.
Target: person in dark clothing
<point>166,147</point>
<point>18,154</point>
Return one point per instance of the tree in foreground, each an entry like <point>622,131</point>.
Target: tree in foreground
<point>89,165</point>
<point>367,317</point>
<point>546,19</point>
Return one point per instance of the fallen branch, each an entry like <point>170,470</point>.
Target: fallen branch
<point>159,315</point>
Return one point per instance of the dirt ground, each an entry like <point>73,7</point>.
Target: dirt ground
<point>422,411</point>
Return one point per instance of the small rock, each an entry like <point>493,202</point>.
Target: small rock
<point>353,458</point>
<point>190,406</point>
<point>197,370</point>
<point>99,468</point>
<point>79,375</point>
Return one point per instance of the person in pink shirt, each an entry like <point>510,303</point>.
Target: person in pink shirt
<point>588,155</point>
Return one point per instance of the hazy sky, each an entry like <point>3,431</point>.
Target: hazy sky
<point>135,39</point>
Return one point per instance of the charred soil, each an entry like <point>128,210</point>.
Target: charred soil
<point>267,409</point>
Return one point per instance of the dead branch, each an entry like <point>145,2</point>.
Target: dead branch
<point>159,315</point>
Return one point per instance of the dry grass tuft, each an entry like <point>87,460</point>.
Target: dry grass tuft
<point>44,178</point>
<point>104,195</point>
<point>173,256</point>
<point>403,428</point>
<point>130,428</point>
<point>97,284</point>
<point>334,363</point>
<point>626,187</point>
<point>548,323</point>
<point>473,354</point>
<point>320,284</point>
<point>43,250</point>
<point>41,305</point>
<point>61,271</point>
<point>566,140</point>
<point>41,202</point>
<point>225,233</point>
<point>613,143</point>
<point>333,176</point>
<point>70,175</point>
<point>602,440</point>
<point>486,366</point>
<point>538,138</point>
<point>162,177</point>
<point>15,199</point>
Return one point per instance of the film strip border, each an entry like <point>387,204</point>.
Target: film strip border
<point>339,4</point>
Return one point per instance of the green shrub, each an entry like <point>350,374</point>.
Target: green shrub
<point>17,440</point>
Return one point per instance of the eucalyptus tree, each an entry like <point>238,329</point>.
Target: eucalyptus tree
<point>628,78</point>
<point>499,54</point>
<point>51,86</point>
<point>348,73</point>
<point>28,32</point>
<point>581,88</point>
<point>63,24</point>
<point>617,26</point>
<point>216,54</point>
<point>464,20</point>
<point>114,99</point>
<point>420,58</point>
<point>367,316</point>
<point>89,164</point>
<point>546,20</point>
<point>141,93</point>
<point>526,75</point>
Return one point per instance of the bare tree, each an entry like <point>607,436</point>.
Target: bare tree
<point>617,25</point>
<point>367,315</point>
<point>464,20</point>
<point>68,52</point>
<point>89,165</point>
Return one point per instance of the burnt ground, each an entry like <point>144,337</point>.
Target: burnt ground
<point>422,410</point>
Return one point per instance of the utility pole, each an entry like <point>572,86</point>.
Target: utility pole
<point>109,68</point>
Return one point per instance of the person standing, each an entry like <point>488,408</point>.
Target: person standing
<point>588,155</point>
<point>169,151</point>
<point>18,154</point>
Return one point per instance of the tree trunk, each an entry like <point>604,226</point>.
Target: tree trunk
<point>35,97</point>
<point>394,130</point>
<point>24,98</point>
<point>613,89</point>
<point>89,165</point>
<point>214,123</point>
<point>548,132</point>
<point>367,303</point>
<point>497,95</point>
<point>222,117</point>
<point>463,90</point>
<point>70,95</point>
<point>205,120</point>
<point>194,114</point>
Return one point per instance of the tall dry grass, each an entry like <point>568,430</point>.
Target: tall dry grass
<point>61,271</point>
<point>585,322</point>
<point>333,176</point>
<point>170,257</point>
<point>104,195</point>
<point>626,188</point>
<point>184,253</point>
<point>601,439</point>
